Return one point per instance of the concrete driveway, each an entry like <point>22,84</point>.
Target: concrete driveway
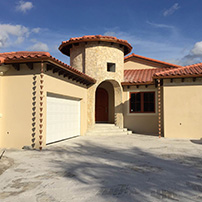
<point>105,169</point>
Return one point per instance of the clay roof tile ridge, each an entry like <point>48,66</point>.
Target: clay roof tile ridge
<point>65,46</point>
<point>195,69</point>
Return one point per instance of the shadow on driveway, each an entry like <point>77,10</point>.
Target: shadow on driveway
<point>130,174</point>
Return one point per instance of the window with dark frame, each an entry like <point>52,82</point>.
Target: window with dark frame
<point>142,102</point>
<point>111,67</point>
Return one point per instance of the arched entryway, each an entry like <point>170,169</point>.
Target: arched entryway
<point>104,103</point>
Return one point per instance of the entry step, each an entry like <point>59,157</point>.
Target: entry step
<point>107,129</point>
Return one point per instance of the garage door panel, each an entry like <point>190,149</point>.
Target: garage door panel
<point>63,119</point>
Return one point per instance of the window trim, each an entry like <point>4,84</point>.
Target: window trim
<point>142,102</point>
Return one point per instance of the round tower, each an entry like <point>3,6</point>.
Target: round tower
<point>101,57</point>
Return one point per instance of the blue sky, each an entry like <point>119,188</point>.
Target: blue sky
<point>167,30</point>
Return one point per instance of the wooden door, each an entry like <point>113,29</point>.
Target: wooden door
<point>101,105</point>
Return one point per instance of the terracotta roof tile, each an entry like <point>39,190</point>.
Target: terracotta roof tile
<point>1,60</point>
<point>23,55</point>
<point>150,59</point>
<point>65,46</point>
<point>30,56</point>
<point>186,71</point>
<point>141,76</point>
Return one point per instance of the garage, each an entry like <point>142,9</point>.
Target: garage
<point>63,118</point>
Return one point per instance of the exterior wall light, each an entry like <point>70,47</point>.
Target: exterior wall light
<point>3,69</point>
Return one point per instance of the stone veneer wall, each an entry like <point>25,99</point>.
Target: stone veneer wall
<point>91,58</point>
<point>77,57</point>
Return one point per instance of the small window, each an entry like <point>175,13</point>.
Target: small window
<point>142,102</point>
<point>111,67</point>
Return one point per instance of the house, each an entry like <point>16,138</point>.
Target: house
<point>43,100</point>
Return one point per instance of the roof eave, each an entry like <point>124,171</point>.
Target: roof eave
<point>137,83</point>
<point>88,79</point>
<point>65,46</point>
<point>178,76</point>
<point>78,73</point>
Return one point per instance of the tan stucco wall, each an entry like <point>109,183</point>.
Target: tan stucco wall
<point>183,109</point>
<point>16,108</point>
<point>135,63</point>
<point>20,104</point>
<point>93,57</point>
<point>142,123</point>
<point>58,85</point>
<point>1,107</point>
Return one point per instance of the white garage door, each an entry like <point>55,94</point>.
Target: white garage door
<point>63,118</point>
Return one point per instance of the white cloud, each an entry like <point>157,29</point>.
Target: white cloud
<point>160,25</point>
<point>173,30</point>
<point>3,40</point>
<point>171,10</point>
<point>170,46</point>
<point>197,49</point>
<point>153,45</point>
<point>194,55</point>
<point>24,6</point>
<point>39,46</point>
<point>110,33</point>
<point>33,40</point>
<point>36,30</point>
<point>20,40</point>
<point>10,34</point>
<point>134,40</point>
<point>15,35</point>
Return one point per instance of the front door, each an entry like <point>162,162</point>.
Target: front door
<point>101,105</point>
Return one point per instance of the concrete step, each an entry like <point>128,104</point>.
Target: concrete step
<point>107,129</point>
<point>105,124</point>
<point>129,132</point>
<point>111,131</point>
<point>107,133</point>
<point>91,132</point>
